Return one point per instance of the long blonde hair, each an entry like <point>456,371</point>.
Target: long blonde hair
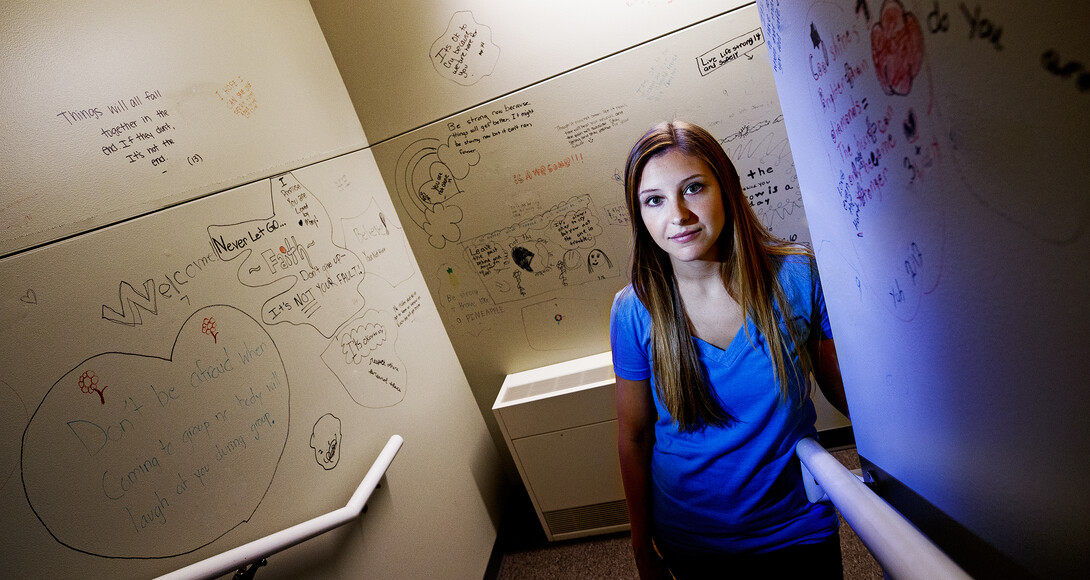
<point>753,257</point>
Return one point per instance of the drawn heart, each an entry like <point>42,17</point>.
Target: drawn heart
<point>441,187</point>
<point>29,298</point>
<point>138,456</point>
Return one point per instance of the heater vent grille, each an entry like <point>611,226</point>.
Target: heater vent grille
<point>588,517</point>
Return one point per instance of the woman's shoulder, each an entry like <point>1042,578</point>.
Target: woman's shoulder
<point>797,273</point>
<point>801,260</point>
<point>629,310</point>
<point>626,300</point>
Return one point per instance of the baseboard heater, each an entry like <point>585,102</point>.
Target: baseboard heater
<point>560,425</point>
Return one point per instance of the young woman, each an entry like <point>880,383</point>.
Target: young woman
<point>713,345</point>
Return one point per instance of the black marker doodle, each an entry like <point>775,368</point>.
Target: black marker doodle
<point>29,298</point>
<point>518,261</point>
<point>325,440</point>
<point>127,295</point>
<point>1051,61</point>
<point>598,259</point>
<point>862,5</point>
<point>909,126</point>
<point>816,39</point>
<point>523,258</point>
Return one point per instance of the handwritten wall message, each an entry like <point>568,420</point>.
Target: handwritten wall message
<point>470,131</point>
<point>365,361</point>
<point>731,50</point>
<point>405,310</point>
<point>549,251</point>
<point>583,130</point>
<point>465,53</point>
<point>463,296</point>
<point>774,196</point>
<point>238,94</point>
<point>772,22</point>
<point>126,450</point>
<point>659,76</point>
<point>137,130</point>
<point>547,168</point>
<point>133,299</point>
<point>376,237</point>
<point>295,243</point>
<point>760,151</point>
<point>1021,67</point>
<point>430,172</point>
<point>884,135</point>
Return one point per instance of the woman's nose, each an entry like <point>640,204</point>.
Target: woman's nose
<point>679,212</point>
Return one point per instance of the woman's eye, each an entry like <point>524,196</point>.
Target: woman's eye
<point>652,200</point>
<point>693,188</point>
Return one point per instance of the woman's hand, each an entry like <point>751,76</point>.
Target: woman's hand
<point>649,564</point>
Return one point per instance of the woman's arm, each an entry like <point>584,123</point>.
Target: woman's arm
<point>827,372</point>
<point>636,437</point>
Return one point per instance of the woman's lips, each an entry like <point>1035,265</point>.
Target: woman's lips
<point>684,236</point>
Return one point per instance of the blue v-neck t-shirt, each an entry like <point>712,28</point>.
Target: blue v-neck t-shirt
<point>738,488</point>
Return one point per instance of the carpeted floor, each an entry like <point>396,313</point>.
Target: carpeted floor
<point>527,555</point>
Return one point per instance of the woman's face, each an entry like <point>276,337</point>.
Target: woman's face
<point>681,206</point>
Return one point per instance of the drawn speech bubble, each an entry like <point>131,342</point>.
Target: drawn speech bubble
<point>465,53</point>
<point>364,358</point>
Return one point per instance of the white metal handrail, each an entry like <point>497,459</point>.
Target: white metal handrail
<point>901,549</point>
<point>239,557</point>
